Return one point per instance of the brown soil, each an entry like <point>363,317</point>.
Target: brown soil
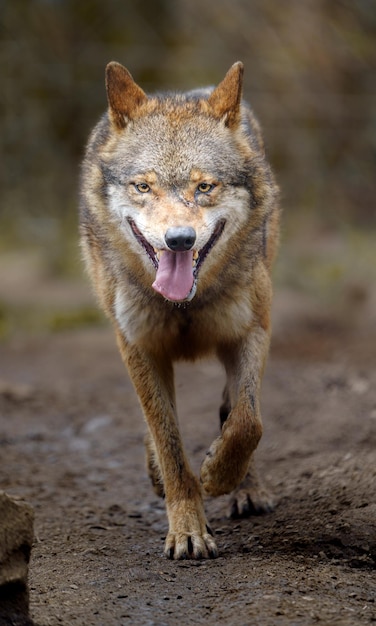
<point>71,443</point>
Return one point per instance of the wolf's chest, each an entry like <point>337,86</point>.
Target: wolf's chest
<point>183,332</point>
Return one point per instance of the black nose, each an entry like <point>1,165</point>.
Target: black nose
<point>180,238</point>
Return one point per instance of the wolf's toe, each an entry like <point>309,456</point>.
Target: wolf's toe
<point>183,546</point>
<point>246,504</point>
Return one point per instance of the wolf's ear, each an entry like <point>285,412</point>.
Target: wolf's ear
<point>226,97</point>
<point>123,94</point>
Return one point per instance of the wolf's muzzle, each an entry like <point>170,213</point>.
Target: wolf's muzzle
<point>180,238</point>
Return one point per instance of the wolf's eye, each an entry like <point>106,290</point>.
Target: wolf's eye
<point>142,187</point>
<point>205,187</point>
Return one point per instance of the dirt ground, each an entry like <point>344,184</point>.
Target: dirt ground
<point>71,444</point>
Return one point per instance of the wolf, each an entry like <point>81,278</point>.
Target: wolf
<point>179,223</point>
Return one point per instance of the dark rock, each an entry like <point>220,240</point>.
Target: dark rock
<point>16,538</point>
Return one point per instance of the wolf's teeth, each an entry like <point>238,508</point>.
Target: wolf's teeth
<point>195,255</point>
<point>157,253</point>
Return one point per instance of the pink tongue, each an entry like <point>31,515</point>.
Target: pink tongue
<point>174,279</point>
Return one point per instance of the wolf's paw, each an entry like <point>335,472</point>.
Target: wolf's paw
<point>191,545</point>
<point>189,536</point>
<point>222,469</point>
<point>251,497</point>
<point>245,503</point>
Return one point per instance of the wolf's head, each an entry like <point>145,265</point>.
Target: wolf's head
<point>181,174</point>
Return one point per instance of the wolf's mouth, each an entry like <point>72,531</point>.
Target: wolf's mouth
<point>177,272</point>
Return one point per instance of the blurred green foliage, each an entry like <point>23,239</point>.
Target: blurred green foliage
<point>28,319</point>
<point>310,76</point>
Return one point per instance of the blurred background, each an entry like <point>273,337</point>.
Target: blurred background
<point>310,75</point>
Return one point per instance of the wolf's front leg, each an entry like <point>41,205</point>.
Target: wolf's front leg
<point>189,535</point>
<point>250,497</point>
<point>228,458</point>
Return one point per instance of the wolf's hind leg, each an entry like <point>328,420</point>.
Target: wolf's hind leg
<point>251,497</point>
<point>153,467</point>
<point>225,408</point>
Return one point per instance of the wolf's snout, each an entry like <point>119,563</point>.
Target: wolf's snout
<point>180,238</point>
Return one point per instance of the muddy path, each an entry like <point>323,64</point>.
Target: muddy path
<point>71,443</point>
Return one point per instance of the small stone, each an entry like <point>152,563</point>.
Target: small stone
<point>16,538</point>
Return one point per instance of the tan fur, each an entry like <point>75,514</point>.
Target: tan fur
<point>195,161</point>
